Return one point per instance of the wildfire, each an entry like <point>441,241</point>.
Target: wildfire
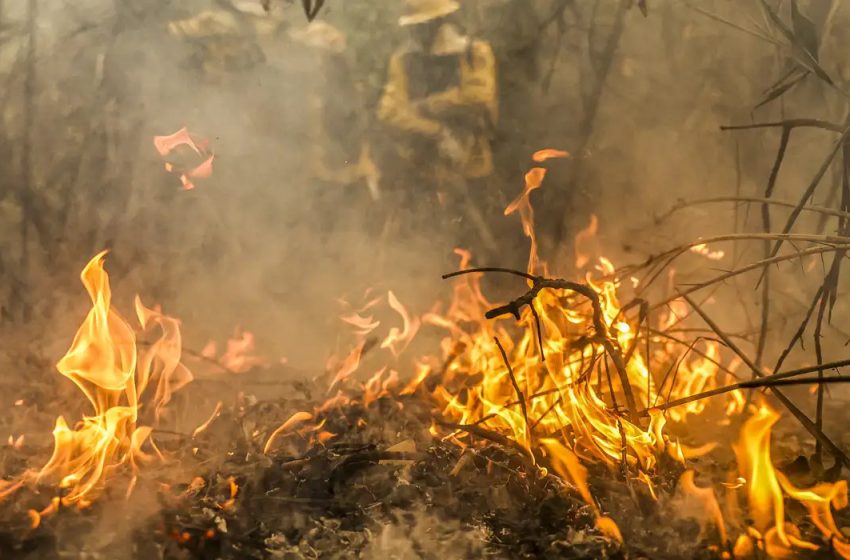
<point>766,490</point>
<point>552,388</point>
<point>562,384</point>
<point>114,372</point>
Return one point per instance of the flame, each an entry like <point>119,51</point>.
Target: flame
<point>165,144</point>
<point>702,249</point>
<point>200,429</point>
<point>349,365</point>
<point>548,153</point>
<point>533,180</point>
<point>239,354</point>
<point>701,503</point>
<point>767,488</point>
<point>764,495</point>
<point>397,340</point>
<point>566,411</point>
<point>234,490</point>
<point>16,443</point>
<point>572,400</point>
<point>113,371</point>
<point>582,241</point>
<point>294,420</point>
<point>365,325</point>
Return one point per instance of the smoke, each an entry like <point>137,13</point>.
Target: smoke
<point>421,534</point>
<point>266,245</point>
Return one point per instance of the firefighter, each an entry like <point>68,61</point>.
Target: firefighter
<point>227,39</point>
<point>339,152</point>
<point>440,105</point>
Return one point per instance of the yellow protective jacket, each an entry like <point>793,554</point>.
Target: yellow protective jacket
<point>475,92</point>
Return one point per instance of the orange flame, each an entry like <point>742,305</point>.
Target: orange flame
<point>571,413</point>
<point>397,340</point>
<point>294,420</point>
<point>533,180</point>
<point>702,249</point>
<point>767,487</point>
<point>106,365</point>
<point>164,145</point>
<point>701,503</point>
<point>582,242</point>
<point>239,354</point>
<point>548,153</point>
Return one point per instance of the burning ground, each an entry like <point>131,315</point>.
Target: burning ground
<point>559,423</point>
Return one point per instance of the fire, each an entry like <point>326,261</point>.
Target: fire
<point>164,145</point>
<point>239,355</point>
<point>397,339</point>
<point>701,503</point>
<point>233,487</point>
<point>563,383</point>
<point>573,395</point>
<point>567,464</point>
<point>582,242</point>
<point>554,388</point>
<point>114,372</point>
<point>766,491</point>
<point>295,420</point>
<point>702,249</point>
<point>550,386</point>
<point>542,155</point>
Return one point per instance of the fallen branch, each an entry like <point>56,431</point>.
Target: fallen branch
<point>519,393</point>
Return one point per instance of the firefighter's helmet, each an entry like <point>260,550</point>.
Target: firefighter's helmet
<point>422,11</point>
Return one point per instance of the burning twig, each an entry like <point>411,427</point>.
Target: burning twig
<point>491,436</point>
<point>539,283</point>
<point>760,382</point>
<point>519,393</point>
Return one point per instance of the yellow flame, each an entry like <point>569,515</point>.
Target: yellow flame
<point>105,363</point>
<point>767,488</point>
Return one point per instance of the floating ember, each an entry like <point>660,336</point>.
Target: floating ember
<point>167,144</point>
